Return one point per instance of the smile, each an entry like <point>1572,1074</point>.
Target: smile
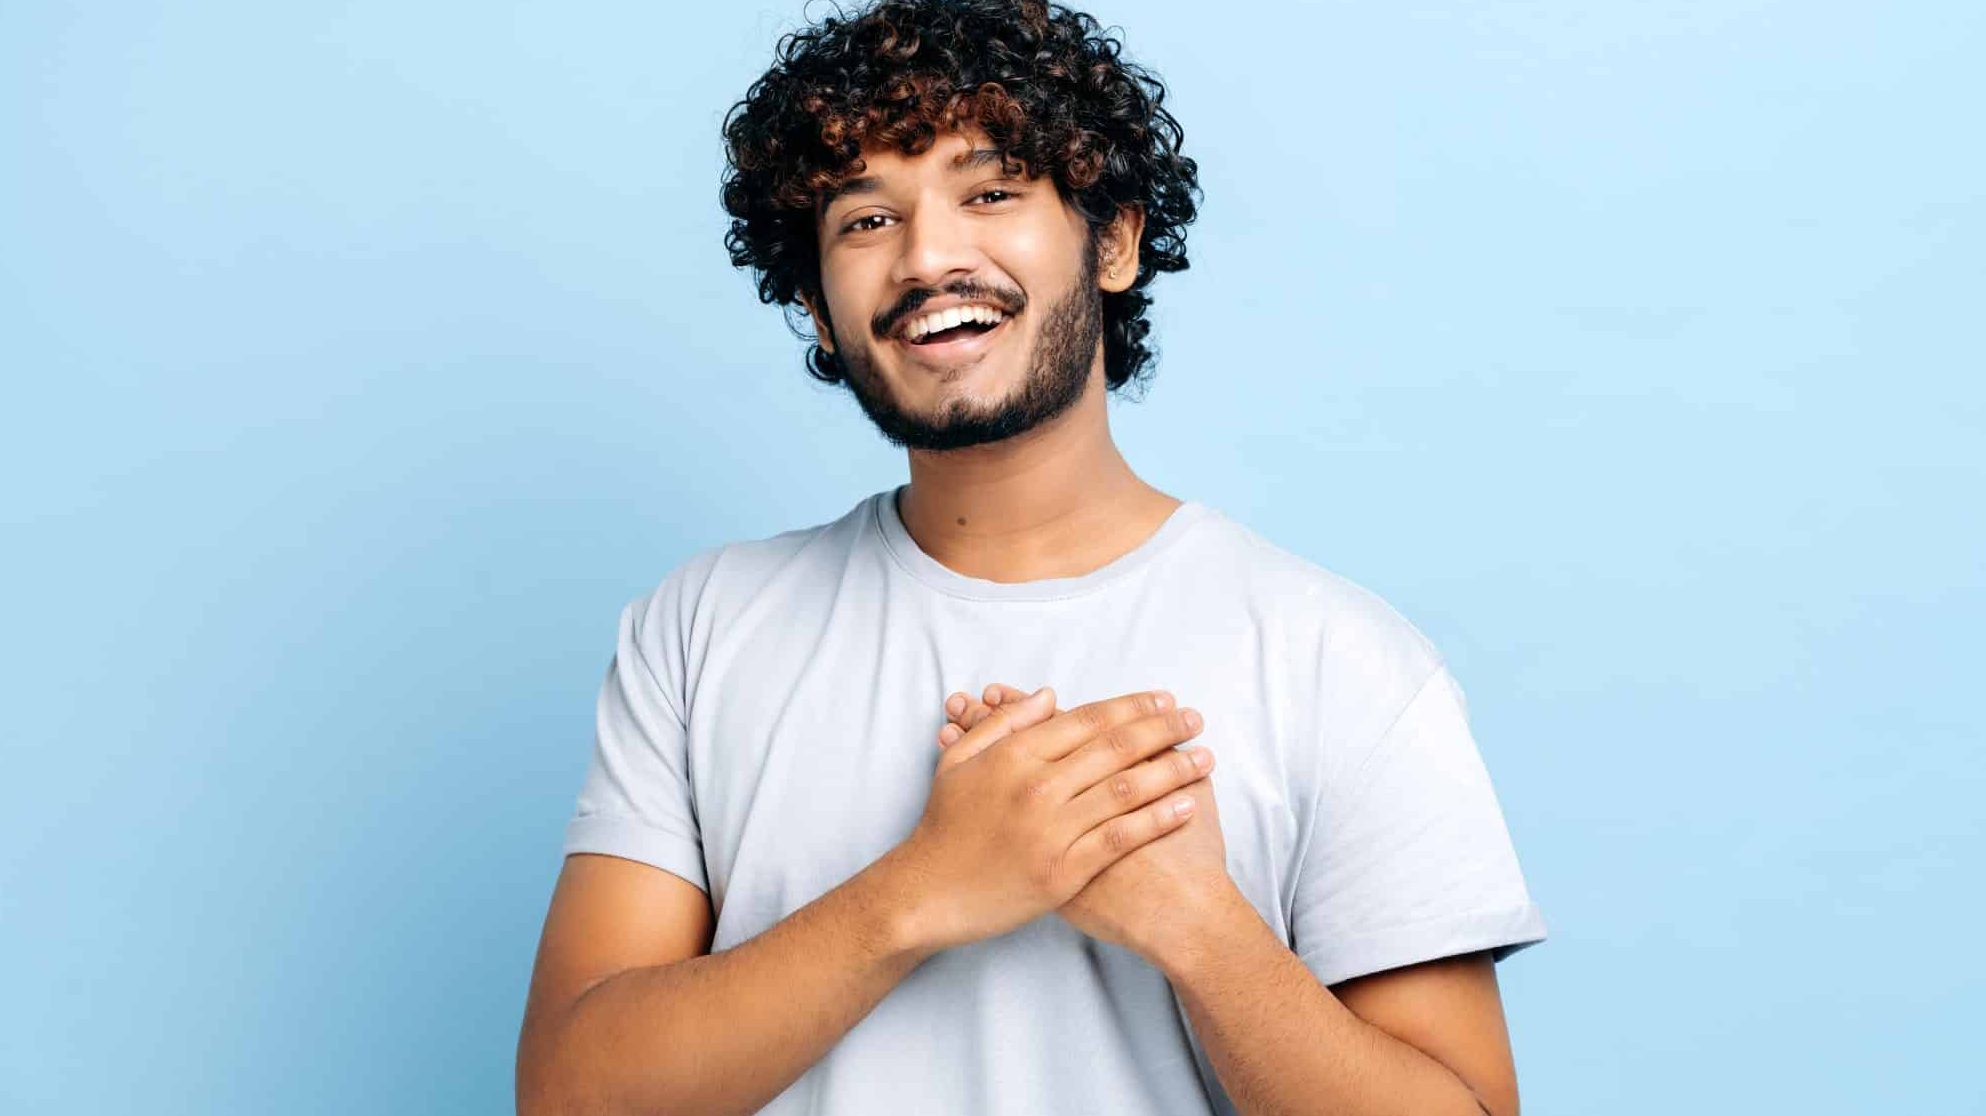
<point>965,338</point>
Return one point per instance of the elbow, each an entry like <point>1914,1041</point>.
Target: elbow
<point>1495,1102</point>
<point>537,1094</point>
<point>542,1091</point>
<point>551,1081</point>
<point>544,1082</point>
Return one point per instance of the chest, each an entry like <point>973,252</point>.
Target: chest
<point>813,742</point>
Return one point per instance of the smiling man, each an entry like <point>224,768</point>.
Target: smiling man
<point>1218,839</point>
<point>944,341</point>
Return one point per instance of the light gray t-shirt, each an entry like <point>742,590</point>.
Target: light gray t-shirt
<point>768,728</point>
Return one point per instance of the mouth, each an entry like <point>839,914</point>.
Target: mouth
<point>948,346</point>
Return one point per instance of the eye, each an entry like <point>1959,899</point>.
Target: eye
<point>1004,194</point>
<point>858,226</point>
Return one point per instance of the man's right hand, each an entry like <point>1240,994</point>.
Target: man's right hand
<point>1025,810</point>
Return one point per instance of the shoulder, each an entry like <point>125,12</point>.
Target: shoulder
<point>730,574</point>
<point>1346,615</point>
<point>1361,657</point>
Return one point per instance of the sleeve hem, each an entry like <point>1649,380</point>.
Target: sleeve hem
<point>632,839</point>
<point>1501,930</point>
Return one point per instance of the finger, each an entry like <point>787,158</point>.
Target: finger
<point>975,714</point>
<point>1117,748</point>
<point>1071,729</point>
<point>1104,845</point>
<point>1000,724</point>
<point>960,711</point>
<point>1000,692</point>
<point>1141,783</point>
<point>996,694</point>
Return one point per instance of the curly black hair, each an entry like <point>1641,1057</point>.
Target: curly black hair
<point>1043,82</point>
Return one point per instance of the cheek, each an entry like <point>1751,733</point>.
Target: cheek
<point>1032,256</point>
<point>840,278</point>
<point>1043,255</point>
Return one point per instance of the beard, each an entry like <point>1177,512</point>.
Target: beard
<point>1057,371</point>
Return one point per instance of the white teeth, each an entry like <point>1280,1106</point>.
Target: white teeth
<point>946,319</point>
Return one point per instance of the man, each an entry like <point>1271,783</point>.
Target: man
<point>808,873</point>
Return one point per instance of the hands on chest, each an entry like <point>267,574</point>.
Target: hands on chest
<point>1032,810</point>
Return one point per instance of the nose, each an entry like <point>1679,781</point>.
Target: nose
<point>935,247</point>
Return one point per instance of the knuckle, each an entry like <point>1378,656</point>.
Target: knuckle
<point>1047,870</point>
<point>1123,790</point>
<point>1119,742</point>
<point>1117,836</point>
<point>1092,717</point>
<point>1035,789</point>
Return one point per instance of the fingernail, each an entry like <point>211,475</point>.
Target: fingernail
<point>1202,758</point>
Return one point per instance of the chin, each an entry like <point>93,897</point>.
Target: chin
<point>985,378</point>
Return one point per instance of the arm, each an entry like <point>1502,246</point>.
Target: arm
<point>625,1017</point>
<point>1423,1032</point>
<point>1422,1039</point>
<point>624,994</point>
<point>1386,998</point>
<point>628,1010</point>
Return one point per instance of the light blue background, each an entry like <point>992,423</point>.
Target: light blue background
<point>360,364</point>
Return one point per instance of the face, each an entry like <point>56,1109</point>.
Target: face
<point>914,236</point>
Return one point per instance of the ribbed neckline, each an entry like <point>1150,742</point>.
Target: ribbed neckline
<point>908,555</point>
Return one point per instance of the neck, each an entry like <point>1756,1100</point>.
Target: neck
<point>1058,501</point>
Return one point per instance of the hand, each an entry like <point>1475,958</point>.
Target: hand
<point>1024,809</point>
<point>1149,898</point>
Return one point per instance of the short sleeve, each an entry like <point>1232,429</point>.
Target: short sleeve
<point>1408,857</point>
<point>636,801</point>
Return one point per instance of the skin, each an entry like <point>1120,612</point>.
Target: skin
<point>1014,477</point>
<point>1033,495</point>
<point>1424,1038</point>
<point>1128,902</point>
<point>1021,815</point>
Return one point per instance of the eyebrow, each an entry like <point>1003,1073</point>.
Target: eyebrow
<point>972,160</point>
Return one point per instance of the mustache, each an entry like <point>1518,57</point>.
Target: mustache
<point>1009,302</point>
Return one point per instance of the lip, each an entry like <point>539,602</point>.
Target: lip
<point>951,352</point>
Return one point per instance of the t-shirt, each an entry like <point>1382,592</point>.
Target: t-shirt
<point>768,727</point>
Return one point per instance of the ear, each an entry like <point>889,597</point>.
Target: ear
<point>1117,268</point>
<point>821,331</point>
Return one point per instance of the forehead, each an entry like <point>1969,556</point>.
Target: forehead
<point>966,151</point>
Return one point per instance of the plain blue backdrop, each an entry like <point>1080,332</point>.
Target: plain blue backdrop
<point>362,360</point>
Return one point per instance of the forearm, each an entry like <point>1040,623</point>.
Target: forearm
<point>727,1031</point>
<point>1281,1043</point>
